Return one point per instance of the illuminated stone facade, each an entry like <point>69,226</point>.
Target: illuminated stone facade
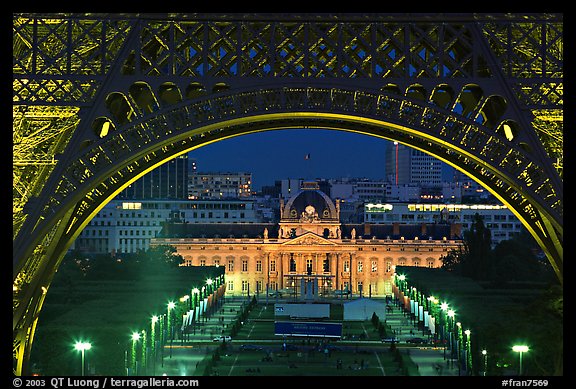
<point>310,243</point>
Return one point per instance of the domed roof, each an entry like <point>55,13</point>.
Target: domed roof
<point>310,205</point>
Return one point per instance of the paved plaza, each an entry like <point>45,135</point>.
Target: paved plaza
<point>184,355</point>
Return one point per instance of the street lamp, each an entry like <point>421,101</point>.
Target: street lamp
<point>451,315</point>
<point>521,350</point>
<point>413,305</point>
<point>467,351</point>
<point>485,354</point>
<point>171,306</point>
<point>195,308</point>
<point>154,320</point>
<point>459,344</point>
<point>444,324</point>
<point>203,296</point>
<point>402,278</point>
<point>170,326</point>
<point>135,338</point>
<point>153,340</point>
<point>210,290</point>
<point>143,357</point>
<point>82,347</point>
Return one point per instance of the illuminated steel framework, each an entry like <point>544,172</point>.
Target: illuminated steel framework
<point>101,99</point>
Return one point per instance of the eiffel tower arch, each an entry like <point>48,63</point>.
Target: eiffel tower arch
<point>99,100</point>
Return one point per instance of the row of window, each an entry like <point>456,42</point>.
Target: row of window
<point>403,249</point>
<point>230,206</point>
<point>273,285</point>
<point>309,265</point>
<point>88,232</point>
<point>122,223</point>
<point>454,216</point>
<point>216,248</point>
<point>102,244</point>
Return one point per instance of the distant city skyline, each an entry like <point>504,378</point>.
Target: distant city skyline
<point>297,153</point>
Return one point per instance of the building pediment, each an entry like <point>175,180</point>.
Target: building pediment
<point>309,239</point>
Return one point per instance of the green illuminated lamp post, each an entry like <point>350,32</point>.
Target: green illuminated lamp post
<point>203,295</point>
<point>416,305</point>
<point>82,347</point>
<point>443,324</point>
<point>170,325</point>
<point>135,338</point>
<point>459,344</point>
<point>162,332</point>
<point>171,306</point>
<point>184,300</point>
<point>210,290</point>
<point>468,353</point>
<point>402,278</point>
<point>485,355</point>
<point>153,341</point>
<point>431,307</point>
<point>195,302</point>
<point>520,349</point>
<point>143,357</point>
<point>402,289</point>
<point>451,318</point>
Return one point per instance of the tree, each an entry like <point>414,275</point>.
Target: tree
<point>163,255</point>
<point>476,260</point>
<point>451,261</point>
<point>517,260</point>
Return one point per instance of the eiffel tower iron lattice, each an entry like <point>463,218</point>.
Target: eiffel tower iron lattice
<point>99,100</point>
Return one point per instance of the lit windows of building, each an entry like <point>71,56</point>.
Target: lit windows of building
<point>347,266</point>
<point>310,243</point>
<point>219,185</point>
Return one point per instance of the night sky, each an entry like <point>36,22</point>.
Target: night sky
<point>279,154</point>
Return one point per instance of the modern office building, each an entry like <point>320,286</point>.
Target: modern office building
<point>370,190</point>
<point>375,191</point>
<point>311,246</point>
<point>126,226</point>
<point>167,181</point>
<point>405,165</point>
<point>502,223</point>
<point>219,185</point>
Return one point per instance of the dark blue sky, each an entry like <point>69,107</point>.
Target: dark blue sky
<point>279,154</point>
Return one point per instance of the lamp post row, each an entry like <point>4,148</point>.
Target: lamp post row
<point>444,322</point>
<point>449,330</point>
<point>210,287</point>
<point>445,317</point>
<point>166,322</point>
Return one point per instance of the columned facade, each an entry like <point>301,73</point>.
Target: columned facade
<point>310,243</point>
<point>350,263</point>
